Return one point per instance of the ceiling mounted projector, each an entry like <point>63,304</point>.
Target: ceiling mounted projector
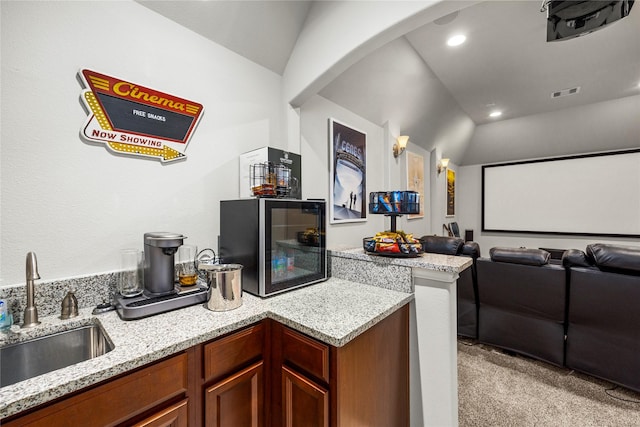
<point>569,19</point>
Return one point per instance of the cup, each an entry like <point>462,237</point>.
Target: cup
<point>130,280</point>
<point>186,267</point>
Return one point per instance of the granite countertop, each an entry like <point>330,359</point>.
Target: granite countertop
<point>335,312</point>
<point>429,261</point>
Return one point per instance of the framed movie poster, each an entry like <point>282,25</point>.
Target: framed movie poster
<point>451,192</point>
<point>347,174</point>
<point>415,179</point>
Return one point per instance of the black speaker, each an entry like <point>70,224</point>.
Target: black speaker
<point>468,235</point>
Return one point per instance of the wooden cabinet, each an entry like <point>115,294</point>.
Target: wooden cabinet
<point>302,363</point>
<point>226,355</point>
<point>173,416</point>
<point>237,400</point>
<point>305,354</point>
<point>140,396</point>
<point>304,403</point>
<point>370,376</point>
<point>265,375</point>
<point>365,382</point>
<point>234,378</point>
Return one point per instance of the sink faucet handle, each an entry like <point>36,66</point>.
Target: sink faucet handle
<point>30,311</point>
<point>32,266</point>
<point>69,306</point>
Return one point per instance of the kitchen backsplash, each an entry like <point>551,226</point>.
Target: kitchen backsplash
<point>356,266</point>
<point>90,291</point>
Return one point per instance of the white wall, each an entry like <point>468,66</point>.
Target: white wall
<point>337,34</point>
<point>603,126</point>
<point>439,196</point>
<point>315,115</point>
<point>314,148</point>
<point>75,204</point>
<point>396,74</point>
<point>417,226</point>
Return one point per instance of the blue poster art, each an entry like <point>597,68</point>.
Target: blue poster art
<point>348,173</point>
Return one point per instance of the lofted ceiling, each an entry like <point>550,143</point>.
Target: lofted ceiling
<point>505,63</point>
<point>263,31</point>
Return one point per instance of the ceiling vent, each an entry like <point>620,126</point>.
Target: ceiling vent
<point>565,92</point>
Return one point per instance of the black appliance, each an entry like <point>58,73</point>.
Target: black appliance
<point>162,291</point>
<point>280,242</point>
<point>574,18</point>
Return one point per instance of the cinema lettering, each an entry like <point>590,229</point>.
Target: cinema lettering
<point>135,120</point>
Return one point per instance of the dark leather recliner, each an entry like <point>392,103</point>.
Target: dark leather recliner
<point>442,245</point>
<point>522,303</point>
<point>603,331</point>
<point>467,291</point>
<point>467,299</point>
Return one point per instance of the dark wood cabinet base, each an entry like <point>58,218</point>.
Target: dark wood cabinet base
<point>265,375</point>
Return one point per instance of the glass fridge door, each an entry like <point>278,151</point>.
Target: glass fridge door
<point>295,244</point>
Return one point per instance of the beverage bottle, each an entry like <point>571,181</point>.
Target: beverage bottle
<point>290,260</point>
<point>274,265</point>
<point>282,261</point>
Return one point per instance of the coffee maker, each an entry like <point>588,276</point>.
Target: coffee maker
<point>161,291</point>
<point>159,264</point>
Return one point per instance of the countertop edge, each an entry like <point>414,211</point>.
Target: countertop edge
<point>431,261</point>
<point>345,339</point>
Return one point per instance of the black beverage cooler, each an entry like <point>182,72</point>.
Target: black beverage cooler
<point>280,242</point>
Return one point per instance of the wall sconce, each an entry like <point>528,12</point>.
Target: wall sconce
<point>400,145</point>
<point>442,165</point>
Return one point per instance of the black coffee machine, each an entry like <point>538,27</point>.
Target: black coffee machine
<point>161,291</point>
<point>159,262</point>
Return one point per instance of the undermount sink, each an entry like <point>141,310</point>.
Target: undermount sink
<point>37,356</point>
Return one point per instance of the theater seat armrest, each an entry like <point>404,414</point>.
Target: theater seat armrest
<point>524,256</point>
<point>575,258</point>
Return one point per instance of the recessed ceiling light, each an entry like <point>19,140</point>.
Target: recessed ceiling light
<point>495,114</point>
<point>456,40</point>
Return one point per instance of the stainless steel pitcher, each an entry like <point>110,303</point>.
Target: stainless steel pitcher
<point>225,285</point>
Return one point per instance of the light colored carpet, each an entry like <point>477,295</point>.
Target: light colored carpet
<point>497,389</point>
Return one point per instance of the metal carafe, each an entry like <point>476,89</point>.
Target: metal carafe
<point>225,285</point>
<point>159,265</point>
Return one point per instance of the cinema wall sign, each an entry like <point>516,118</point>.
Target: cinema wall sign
<point>135,120</point>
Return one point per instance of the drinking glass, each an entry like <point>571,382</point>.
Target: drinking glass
<point>130,280</point>
<point>186,268</point>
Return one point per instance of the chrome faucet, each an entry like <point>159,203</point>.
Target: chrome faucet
<point>30,312</point>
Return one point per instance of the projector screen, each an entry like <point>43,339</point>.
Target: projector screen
<point>590,195</point>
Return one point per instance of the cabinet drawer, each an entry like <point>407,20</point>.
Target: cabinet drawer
<point>173,416</point>
<point>116,401</point>
<point>306,353</point>
<point>226,355</point>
